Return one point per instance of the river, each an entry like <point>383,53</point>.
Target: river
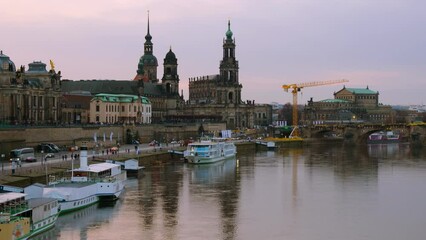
<point>320,192</point>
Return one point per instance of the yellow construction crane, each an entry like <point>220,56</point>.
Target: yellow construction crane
<point>296,87</point>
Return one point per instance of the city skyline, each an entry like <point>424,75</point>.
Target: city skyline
<point>375,44</point>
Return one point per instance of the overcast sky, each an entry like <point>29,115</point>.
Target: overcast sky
<point>376,43</point>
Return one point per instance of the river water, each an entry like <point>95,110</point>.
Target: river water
<point>320,192</point>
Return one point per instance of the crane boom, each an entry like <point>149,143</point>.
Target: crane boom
<point>296,87</point>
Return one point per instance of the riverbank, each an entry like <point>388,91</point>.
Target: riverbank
<point>29,174</point>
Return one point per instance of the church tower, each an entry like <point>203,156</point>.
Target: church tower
<point>230,88</point>
<point>170,78</point>
<point>147,67</point>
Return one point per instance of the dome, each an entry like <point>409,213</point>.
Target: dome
<point>148,60</point>
<point>6,65</point>
<point>170,58</point>
<point>229,32</point>
<point>37,67</point>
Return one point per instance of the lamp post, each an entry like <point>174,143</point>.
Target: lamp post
<point>2,161</point>
<point>45,165</point>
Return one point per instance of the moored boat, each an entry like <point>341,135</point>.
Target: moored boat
<point>21,218</point>
<point>384,137</point>
<point>209,151</point>
<point>87,185</point>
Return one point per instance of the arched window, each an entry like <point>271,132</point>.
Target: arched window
<point>230,97</point>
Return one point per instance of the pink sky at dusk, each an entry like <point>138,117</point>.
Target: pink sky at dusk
<point>379,44</point>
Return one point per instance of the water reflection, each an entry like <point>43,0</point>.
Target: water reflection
<point>317,192</point>
<point>75,225</point>
<point>383,150</point>
<point>213,194</point>
<point>210,174</point>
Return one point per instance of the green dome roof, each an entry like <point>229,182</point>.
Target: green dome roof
<point>229,32</point>
<point>148,60</point>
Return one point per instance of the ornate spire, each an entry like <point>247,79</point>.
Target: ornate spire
<point>148,36</point>
<point>229,32</point>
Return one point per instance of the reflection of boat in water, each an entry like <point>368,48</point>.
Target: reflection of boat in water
<point>21,218</point>
<point>79,221</point>
<point>383,150</point>
<point>211,173</point>
<point>208,151</point>
<point>384,137</point>
<point>87,185</point>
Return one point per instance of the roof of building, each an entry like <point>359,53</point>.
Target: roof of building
<point>361,90</point>
<point>6,65</point>
<point>148,60</point>
<point>170,57</point>
<point>111,87</point>
<point>229,32</point>
<point>120,98</point>
<point>37,66</point>
<point>76,101</point>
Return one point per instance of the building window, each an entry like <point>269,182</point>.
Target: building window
<point>97,108</point>
<point>122,108</point>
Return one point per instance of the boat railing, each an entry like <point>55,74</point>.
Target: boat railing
<point>88,180</point>
<point>4,217</point>
<point>15,208</point>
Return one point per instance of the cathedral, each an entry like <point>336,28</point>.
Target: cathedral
<point>212,98</point>
<point>164,96</point>
<point>218,97</point>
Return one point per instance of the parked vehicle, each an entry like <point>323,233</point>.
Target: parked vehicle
<point>48,148</point>
<point>22,154</point>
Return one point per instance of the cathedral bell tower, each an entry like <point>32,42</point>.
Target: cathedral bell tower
<point>170,78</point>
<point>147,67</point>
<point>228,81</point>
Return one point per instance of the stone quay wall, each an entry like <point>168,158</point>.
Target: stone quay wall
<point>11,138</point>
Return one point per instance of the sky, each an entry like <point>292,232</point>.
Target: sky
<point>379,44</point>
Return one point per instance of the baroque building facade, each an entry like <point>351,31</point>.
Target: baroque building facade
<point>29,96</point>
<point>218,97</point>
<point>350,105</point>
<point>41,96</point>
<point>163,96</point>
<point>122,108</point>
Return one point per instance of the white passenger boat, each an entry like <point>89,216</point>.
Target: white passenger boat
<point>209,151</point>
<point>384,137</point>
<point>87,185</point>
<point>21,218</point>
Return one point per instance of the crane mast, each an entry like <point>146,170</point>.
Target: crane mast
<point>297,87</point>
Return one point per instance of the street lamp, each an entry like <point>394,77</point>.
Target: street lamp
<point>45,165</point>
<point>2,161</point>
